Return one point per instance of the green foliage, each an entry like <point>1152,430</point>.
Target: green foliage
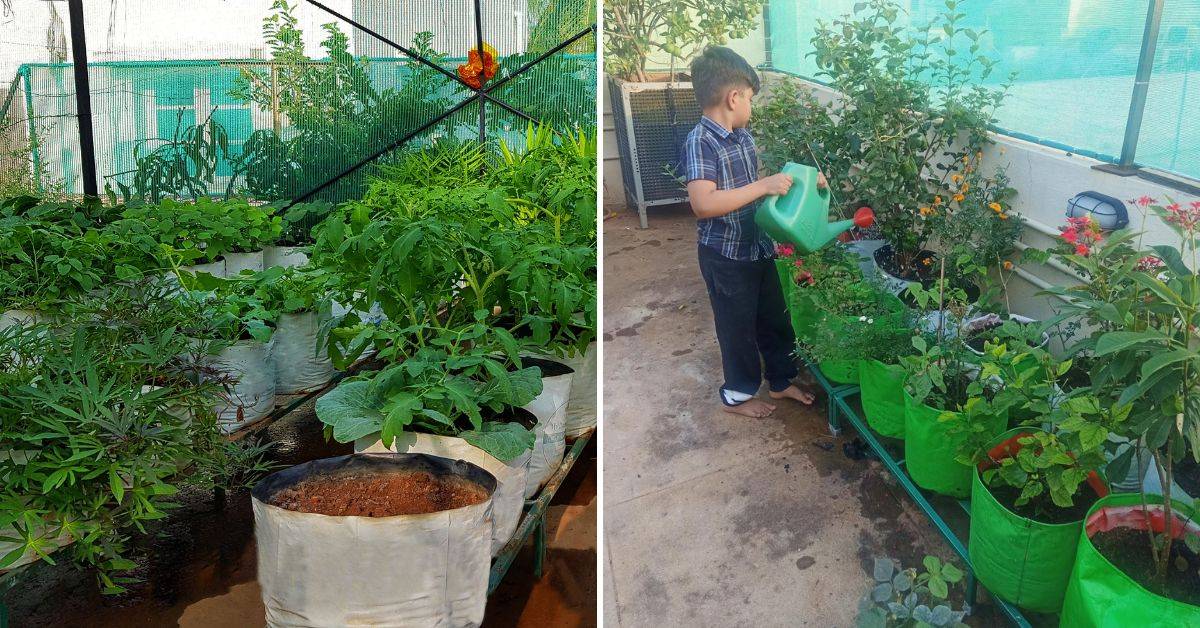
<point>910,113</point>
<point>637,29</point>
<point>183,165</point>
<point>885,337</point>
<point>902,597</point>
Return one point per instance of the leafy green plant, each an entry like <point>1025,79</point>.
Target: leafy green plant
<point>636,29</point>
<point>886,338</point>
<point>910,108</point>
<point>902,597</point>
<point>443,388</point>
<point>183,165</point>
<point>43,263</point>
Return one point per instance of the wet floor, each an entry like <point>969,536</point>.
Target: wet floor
<point>198,568</point>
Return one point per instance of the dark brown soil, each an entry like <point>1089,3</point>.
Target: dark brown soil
<point>1129,551</point>
<point>1187,476</point>
<point>550,368</point>
<point>1042,509</point>
<point>380,495</point>
<point>917,270</point>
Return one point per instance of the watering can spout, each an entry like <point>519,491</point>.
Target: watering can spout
<point>801,217</point>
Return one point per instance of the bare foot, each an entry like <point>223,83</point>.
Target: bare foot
<point>792,392</point>
<point>752,408</point>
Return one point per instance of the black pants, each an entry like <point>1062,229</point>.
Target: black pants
<point>751,319</point>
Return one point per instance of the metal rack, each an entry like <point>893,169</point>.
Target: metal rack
<point>840,407</point>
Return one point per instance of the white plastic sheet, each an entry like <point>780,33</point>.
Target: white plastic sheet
<point>235,263</point>
<point>508,500</point>
<point>300,365</point>
<point>285,256</point>
<point>411,571</point>
<point>581,408</point>
<point>550,408</point>
<point>252,364</point>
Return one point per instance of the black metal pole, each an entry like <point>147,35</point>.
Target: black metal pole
<point>83,100</point>
<point>482,95</point>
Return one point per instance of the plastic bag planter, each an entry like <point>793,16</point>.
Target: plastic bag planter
<point>252,365</point>
<point>930,450</point>
<point>509,497</point>
<point>840,371</point>
<point>801,309</point>
<point>881,390</point>
<point>1099,595</point>
<point>301,363</point>
<point>550,445</point>
<point>581,405</point>
<point>1020,560</point>
<point>408,570</point>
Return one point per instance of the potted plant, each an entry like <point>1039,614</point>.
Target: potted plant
<point>255,226</point>
<point>902,597</point>
<point>43,265</point>
<point>648,104</point>
<point>1033,485</point>
<point>337,535</point>
<point>1141,545</point>
<point>300,296</point>
<point>450,397</point>
<point>910,117</point>
<point>295,234</point>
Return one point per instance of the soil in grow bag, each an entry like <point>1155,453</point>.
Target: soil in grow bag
<point>380,495</point>
<point>1042,508</point>
<point>923,270</point>
<point>1129,550</point>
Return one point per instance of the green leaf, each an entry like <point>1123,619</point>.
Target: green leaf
<point>116,484</point>
<point>1114,341</point>
<point>400,408</point>
<point>504,441</point>
<point>351,411</point>
<point>1162,360</point>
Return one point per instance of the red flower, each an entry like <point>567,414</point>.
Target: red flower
<point>1082,249</point>
<point>1145,200</point>
<point>1070,235</point>
<point>1149,262</point>
<point>786,250</point>
<point>477,71</point>
<point>805,278</point>
<point>799,262</point>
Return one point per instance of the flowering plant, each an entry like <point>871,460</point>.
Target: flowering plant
<point>479,68</point>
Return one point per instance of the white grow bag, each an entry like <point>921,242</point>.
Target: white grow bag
<point>23,318</point>
<point>508,500</point>
<point>581,407</point>
<point>284,256</point>
<point>252,364</point>
<point>550,408</point>
<point>419,571</point>
<point>235,263</point>
<point>300,364</point>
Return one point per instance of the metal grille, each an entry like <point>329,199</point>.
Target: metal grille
<point>662,115</point>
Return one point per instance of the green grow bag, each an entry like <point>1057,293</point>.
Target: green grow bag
<point>1101,596</point>
<point>840,371</point>
<point>1020,560</point>
<point>929,450</point>
<point>882,395</point>
<point>801,308</point>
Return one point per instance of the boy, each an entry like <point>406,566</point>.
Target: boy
<point>736,258</point>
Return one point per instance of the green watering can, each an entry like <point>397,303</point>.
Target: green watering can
<point>801,217</point>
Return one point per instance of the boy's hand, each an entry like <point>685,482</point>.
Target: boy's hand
<point>776,184</point>
<point>821,182</point>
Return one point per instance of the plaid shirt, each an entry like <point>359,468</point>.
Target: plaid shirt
<point>729,159</point>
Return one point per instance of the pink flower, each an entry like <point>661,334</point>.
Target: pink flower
<point>805,278</point>
<point>786,250</point>
<point>1145,200</point>
<point>1070,235</point>
<point>799,262</point>
<point>1149,262</point>
<point>1082,249</point>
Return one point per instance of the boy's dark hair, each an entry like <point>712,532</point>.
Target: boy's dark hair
<point>718,70</point>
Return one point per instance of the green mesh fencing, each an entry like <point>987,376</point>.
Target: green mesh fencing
<point>1075,64</point>
<point>286,98</point>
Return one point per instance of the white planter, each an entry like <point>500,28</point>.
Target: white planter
<point>1014,317</point>
<point>216,269</point>
<point>300,364</point>
<point>550,408</point>
<point>425,570</point>
<point>888,281</point>
<point>581,407</point>
<point>252,397</point>
<point>865,249</point>
<point>235,263</point>
<point>285,256</point>
<point>508,500</point>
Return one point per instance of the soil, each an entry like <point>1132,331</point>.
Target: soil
<point>1042,509</point>
<point>550,368</point>
<point>1129,550</point>
<point>380,495</point>
<point>886,259</point>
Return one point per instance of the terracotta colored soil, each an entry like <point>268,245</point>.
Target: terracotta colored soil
<point>380,495</point>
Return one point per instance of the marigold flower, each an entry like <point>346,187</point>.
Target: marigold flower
<point>927,211</point>
<point>995,207</point>
<point>1003,216</point>
<point>1008,265</point>
<point>958,197</point>
<point>956,178</point>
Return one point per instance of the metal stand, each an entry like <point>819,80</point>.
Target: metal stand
<point>534,521</point>
<point>839,408</point>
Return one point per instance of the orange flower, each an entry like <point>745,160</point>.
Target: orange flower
<point>477,71</point>
<point>928,211</point>
<point>965,187</point>
<point>1008,265</point>
<point>959,197</point>
<point>995,207</point>
<point>937,200</point>
<point>927,261</point>
<point>1003,216</point>
<point>956,178</point>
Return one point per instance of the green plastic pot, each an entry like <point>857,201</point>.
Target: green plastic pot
<point>1022,561</point>
<point>840,371</point>
<point>1101,596</point>
<point>930,450</point>
<point>881,391</point>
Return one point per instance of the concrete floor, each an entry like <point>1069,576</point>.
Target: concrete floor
<point>712,519</point>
